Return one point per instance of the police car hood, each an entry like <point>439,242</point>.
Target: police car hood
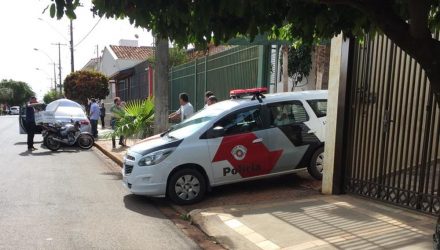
<point>154,143</point>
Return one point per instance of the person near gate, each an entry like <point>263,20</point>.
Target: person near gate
<point>102,111</point>
<point>185,111</point>
<point>207,95</point>
<point>30,123</point>
<point>116,109</point>
<point>94,117</point>
<point>211,100</point>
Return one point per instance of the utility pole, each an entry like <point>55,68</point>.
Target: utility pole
<point>72,63</point>
<point>54,77</point>
<point>59,63</point>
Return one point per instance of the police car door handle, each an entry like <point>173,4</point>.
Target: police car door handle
<point>311,132</point>
<point>258,140</point>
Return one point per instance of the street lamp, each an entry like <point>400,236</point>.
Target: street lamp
<point>54,68</point>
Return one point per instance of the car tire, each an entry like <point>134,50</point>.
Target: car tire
<point>51,143</point>
<point>186,186</point>
<point>316,165</point>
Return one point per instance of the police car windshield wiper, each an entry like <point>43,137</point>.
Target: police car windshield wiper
<point>171,137</point>
<point>167,131</point>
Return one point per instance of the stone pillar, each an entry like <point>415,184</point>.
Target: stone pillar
<point>332,182</point>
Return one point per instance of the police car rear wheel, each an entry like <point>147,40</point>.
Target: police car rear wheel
<point>186,186</point>
<point>317,164</point>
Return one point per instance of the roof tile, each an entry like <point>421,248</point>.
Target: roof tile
<point>133,53</point>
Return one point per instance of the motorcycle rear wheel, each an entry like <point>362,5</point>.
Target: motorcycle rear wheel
<point>51,143</point>
<point>85,141</point>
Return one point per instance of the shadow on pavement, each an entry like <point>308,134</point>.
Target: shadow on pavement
<point>45,152</point>
<point>358,225</point>
<point>281,188</point>
<point>25,143</point>
<point>142,205</point>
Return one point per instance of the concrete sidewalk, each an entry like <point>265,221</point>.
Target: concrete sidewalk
<point>104,144</point>
<point>320,222</point>
<point>315,222</point>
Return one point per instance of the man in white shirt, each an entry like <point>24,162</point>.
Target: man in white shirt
<point>185,111</point>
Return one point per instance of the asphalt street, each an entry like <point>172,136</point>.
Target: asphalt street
<point>72,199</point>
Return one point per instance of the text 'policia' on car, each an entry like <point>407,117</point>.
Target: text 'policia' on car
<point>250,136</point>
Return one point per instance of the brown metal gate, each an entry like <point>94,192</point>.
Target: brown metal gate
<point>393,140</point>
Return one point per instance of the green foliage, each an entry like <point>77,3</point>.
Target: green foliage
<point>5,94</point>
<point>81,85</point>
<point>300,62</point>
<point>15,92</point>
<point>177,56</point>
<point>201,22</point>
<point>51,96</point>
<point>136,119</point>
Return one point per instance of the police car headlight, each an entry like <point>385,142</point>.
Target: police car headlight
<point>155,157</point>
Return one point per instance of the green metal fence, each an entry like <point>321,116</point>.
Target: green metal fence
<point>239,67</point>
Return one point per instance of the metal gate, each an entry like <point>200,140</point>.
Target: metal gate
<point>393,136</point>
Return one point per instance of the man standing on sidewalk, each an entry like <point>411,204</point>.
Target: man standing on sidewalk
<point>94,117</point>
<point>102,110</point>
<point>116,110</point>
<point>30,123</point>
<point>185,111</point>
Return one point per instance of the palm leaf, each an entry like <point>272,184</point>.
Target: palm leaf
<point>136,119</point>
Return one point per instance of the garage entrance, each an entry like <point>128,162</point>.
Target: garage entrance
<point>393,136</point>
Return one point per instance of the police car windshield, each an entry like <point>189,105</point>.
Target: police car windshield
<point>195,122</point>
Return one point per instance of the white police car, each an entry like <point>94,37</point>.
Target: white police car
<point>247,137</point>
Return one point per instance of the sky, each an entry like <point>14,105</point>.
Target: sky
<point>24,27</point>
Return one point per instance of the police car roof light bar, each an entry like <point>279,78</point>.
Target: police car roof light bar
<point>256,93</point>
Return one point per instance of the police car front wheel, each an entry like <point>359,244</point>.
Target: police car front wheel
<point>316,165</point>
<point>186,186</point>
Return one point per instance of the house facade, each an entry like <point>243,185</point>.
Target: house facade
<point>126,67</point>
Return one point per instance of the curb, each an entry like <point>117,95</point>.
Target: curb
<point>108,154</point>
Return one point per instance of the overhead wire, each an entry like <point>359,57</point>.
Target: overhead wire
<point>87,33</point>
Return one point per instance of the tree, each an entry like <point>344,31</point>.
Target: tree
<point>408,23</point>
<point>300,62</point>
<point>162,62</point>
<point>161,85</point>
<point>82,85</point>
<point>5,94</point>
<point>51,96</point>
<point>19,92</point>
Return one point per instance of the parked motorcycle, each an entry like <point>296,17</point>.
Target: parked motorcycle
<point>55,135</point>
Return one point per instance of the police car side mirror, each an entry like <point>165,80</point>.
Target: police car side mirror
<point>215,132</point>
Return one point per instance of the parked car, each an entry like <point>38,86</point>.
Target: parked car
<point>62,111</point>
<point>245,138</point>
<point>14,110</point>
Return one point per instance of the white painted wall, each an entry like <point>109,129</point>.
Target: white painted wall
<point>308,83</point>
<point>125,64</point>
<point>109,64</point>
